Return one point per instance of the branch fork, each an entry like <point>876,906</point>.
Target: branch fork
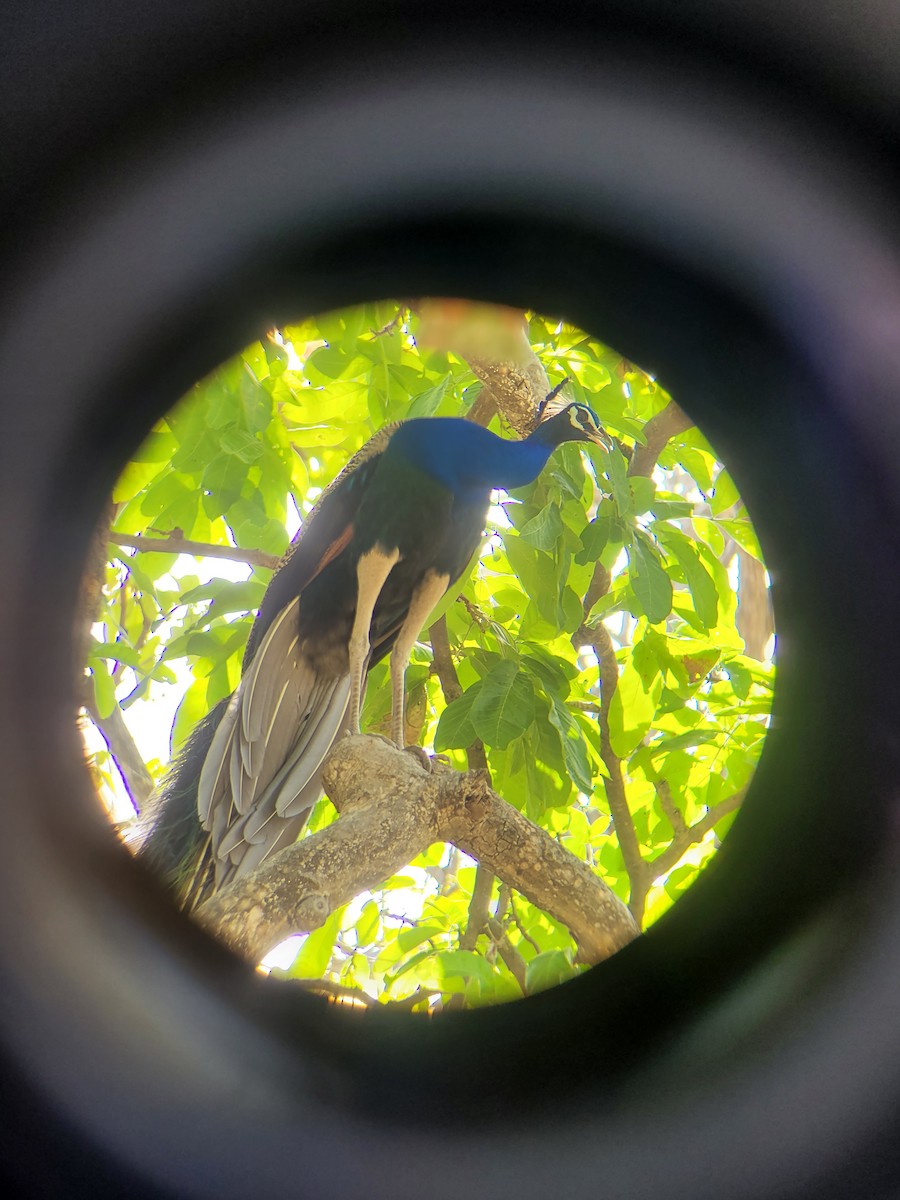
<point>391,809</point>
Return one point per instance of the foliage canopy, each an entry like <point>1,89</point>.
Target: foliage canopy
<point>682,714</point>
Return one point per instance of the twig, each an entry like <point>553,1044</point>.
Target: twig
<point>692,834</point>
<point>391,325</point>
<point>669,807</point>
<point>598,638</point>
<point>517,921</point>
<point>507,951</point>
<point>175,544</point>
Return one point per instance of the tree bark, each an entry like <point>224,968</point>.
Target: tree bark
<point>391,809</point>
<point>754,610</point>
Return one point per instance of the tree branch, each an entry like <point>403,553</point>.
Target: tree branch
<point>90,597</point>
<point>450,685</point>
<point>658,430</point>
<point>689,835</point>
<point>391,808</point>
<point>493,340</point>
<point>121,745</point>
<point>615,784</point>
<point>479,909</point>
<point>597,637</point>
<point>516,386</point>
<point>174,543</point>
<point>754,610</point>
<point>508,953</point>
<point>669,807</point>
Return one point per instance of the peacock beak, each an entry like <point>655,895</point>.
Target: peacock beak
<point>600,438</point>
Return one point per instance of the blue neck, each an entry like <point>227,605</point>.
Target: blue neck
<point>469,459</point>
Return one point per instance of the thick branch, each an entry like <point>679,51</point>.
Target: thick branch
<point>174,543</point>
<point>521,854</point>
<point>658,431</point>
<point>516,386</point>
<point>754,610</point>
<point>391,809</point>
<point>493,340</point>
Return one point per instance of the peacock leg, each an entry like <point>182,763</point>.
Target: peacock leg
<point>425,597</point>
<point>372,570</point>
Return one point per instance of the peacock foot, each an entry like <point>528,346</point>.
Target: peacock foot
<point>430,762</point>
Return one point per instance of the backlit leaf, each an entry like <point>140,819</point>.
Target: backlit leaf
<point>504,706</point>
<point>650,583</point>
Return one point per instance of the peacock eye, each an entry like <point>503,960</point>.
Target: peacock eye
<point>571,576</point>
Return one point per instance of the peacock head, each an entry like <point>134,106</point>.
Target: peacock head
<point>574,423</point>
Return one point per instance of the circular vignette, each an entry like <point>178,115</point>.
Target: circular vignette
<point>572,197</point>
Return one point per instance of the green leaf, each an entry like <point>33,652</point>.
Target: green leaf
<point>367,923</point>
<point>428,402</point>
<point>104,689</point>
<point>575,753</point>
<point>155,448</point>
<point>504,707</point>
<point>256,403</point>
<point>632,709</point>
<point>617,473</point>
<point>548,969</point>
<point>455,730</point>
<point>642,492</point>
<point>702,585</point>
<point>222,482</point>
<point>242,445</point>
<point>117,651</point>
<point>671,510</point>
<point>545,529</point>
<point>408,939</point>
<point>689,740</point>
<point>193,708</point>
<point>531,565</point>
<point>325,364</point>
<point>725,494</point>
<point>741,679</point>
<point>651,585</point>
<point>698,464</point>
<point>168,489</point>
<point>743,533</point>
<point>554,672</point>
<point>465,963</point>
<point>315,954</point>
<point>228,596</point>
<point>596,535</point>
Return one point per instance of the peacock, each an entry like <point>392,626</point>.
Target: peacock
<point>384,542</point>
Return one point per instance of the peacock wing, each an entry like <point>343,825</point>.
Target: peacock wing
<point>260,775</point>
<point>323,536</point>
<point>262,772</point>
